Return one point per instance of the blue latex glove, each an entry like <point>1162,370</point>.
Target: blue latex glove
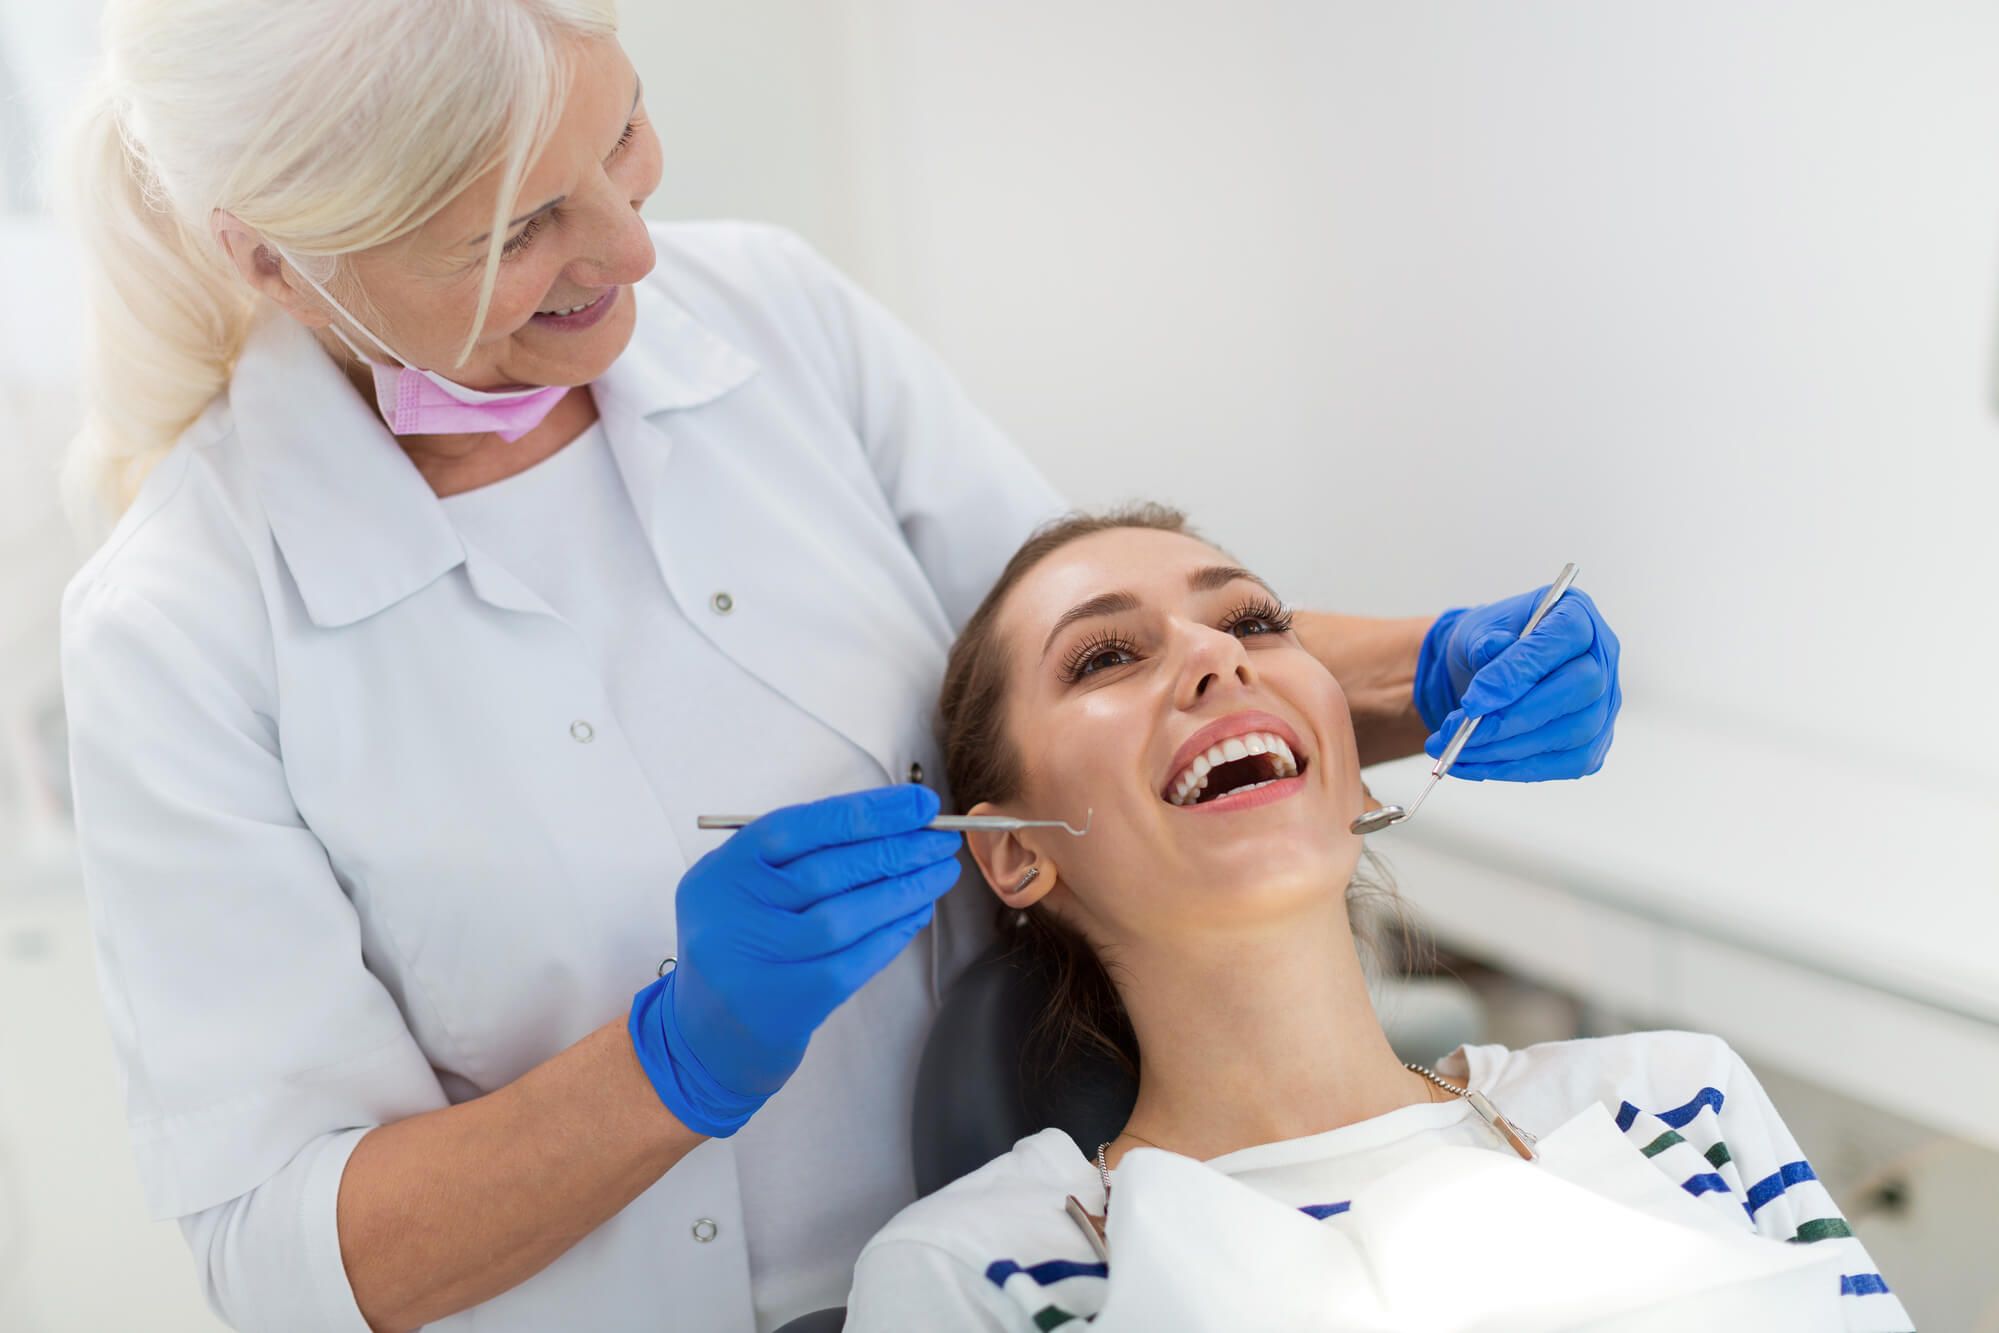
<point>1549,701</point>
<point>778,926</point>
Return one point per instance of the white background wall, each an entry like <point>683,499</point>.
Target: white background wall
<point>1408,304</point>
<point>1413,302</point>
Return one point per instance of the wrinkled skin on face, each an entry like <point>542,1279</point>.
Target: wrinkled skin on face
<point>426,285</point>
<point>585,239</point>
<point>601,163</point>
<point>1102,714</point>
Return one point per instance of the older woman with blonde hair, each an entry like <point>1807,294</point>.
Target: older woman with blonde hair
<point>472,535</point>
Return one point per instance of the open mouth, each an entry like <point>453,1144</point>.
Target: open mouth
<point>560,312</point>
<point>1231,767</point>
<point>573,317</point>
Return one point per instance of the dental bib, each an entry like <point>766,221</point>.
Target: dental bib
<point>423,402</point>
<point>1592,1239</point>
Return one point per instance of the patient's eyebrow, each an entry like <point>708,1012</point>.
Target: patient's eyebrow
<point>1103,604</point>
<point>1220,576</point>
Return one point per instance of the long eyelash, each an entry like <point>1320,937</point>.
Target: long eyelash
<point>1079,657</point>
<point>1277,617</point>
<point>520,242</point>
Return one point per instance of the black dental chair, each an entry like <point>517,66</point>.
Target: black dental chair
<point>975,1098</point>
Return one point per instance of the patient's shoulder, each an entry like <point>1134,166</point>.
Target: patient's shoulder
<point>1655,1072</point>
<point>996,1240</point>
<point>1027,1184</point>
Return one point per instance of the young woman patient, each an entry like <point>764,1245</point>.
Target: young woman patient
<point>1121,665</point>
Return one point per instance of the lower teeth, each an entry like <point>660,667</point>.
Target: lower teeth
<point>1202,798</point>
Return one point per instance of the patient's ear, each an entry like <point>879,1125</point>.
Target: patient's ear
<point>1017,873</point>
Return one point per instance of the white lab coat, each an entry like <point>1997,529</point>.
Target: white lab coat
<point>361,837</point>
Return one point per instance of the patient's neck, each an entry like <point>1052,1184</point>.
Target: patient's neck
<point>1255,1038</point>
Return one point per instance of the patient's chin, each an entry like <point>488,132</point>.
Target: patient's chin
<point>1276,882</point>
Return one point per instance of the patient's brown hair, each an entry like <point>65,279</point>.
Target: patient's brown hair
<point>1084,1014</point>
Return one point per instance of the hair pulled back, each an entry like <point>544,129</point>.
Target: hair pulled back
<point>328,126</point>
<point>1084,1014</point>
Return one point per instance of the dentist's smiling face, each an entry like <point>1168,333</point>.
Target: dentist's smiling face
<point>577,240</point>
<point>1152,680</point>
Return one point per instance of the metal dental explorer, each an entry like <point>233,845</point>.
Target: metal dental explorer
<point>948,823</point>
<point>1373,821</point>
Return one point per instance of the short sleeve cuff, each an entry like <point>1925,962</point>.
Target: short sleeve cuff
<point>198,1159</point>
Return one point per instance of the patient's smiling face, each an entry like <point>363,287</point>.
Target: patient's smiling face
<point>1139,661</point>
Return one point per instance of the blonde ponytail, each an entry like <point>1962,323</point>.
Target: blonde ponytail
<point>327,126</point>
<point>167,315</point>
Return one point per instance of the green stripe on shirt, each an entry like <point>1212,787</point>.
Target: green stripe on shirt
<point>1822,1228</point>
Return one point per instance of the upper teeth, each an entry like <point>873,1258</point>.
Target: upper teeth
<point>572,310</point>
<point>1193,779</point>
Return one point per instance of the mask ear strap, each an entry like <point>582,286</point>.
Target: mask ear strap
<point>349,316</point>
<point>363,356</point>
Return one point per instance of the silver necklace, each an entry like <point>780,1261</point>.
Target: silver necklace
<point>1512,1135</point>
<point>1431,1074</point>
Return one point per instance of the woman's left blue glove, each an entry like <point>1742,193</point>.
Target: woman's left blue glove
<point>1549,701</point>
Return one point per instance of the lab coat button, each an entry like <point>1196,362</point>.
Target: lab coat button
<point>916,772</point>
<point>582,731</point>
<point>723,603</point>
<point>705,1230</point>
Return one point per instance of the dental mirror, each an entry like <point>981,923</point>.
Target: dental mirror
<point>1374,821</point>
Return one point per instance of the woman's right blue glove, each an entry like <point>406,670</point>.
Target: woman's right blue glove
<point>778,926</point>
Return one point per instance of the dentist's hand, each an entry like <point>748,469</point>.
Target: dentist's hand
<point>1549,701</point>
<point>778,926</point>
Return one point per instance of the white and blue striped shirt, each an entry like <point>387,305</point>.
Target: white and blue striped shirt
<point>995,1250</point>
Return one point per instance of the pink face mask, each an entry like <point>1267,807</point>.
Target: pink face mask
<point>423,402</point>
<point>420,402</point>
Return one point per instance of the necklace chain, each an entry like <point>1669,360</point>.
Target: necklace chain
<point>1104,1169</point>
<point>1431,1074</point>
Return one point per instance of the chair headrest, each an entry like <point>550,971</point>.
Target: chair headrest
<point>977,1093</point>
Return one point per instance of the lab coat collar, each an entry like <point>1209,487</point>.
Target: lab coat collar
<point>359,527</point>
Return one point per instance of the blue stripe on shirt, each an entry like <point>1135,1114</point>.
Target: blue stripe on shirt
<point>1704,1183</point>
<point>1052,1270</point>
<point>1768,1188</point>
<point>1862,1284</point>
<point>1678,1117</point>
<point>1319,1212</point>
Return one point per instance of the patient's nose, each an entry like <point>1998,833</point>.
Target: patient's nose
<point>1212,657</point>
<point>1242,676</point>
